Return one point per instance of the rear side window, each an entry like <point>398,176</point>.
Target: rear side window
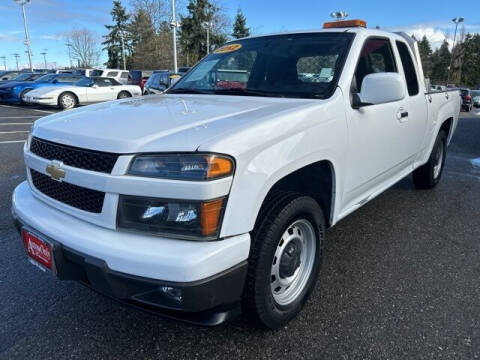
<point>124,75</point>
<point>376,57</point>
<point>112,73</point>
<point>408,68</point>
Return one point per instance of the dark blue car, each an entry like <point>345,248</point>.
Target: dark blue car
<point>13,91</point>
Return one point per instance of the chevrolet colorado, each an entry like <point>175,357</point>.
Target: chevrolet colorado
<point>213,198</point>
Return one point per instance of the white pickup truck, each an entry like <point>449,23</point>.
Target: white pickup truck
<point>214,198</point>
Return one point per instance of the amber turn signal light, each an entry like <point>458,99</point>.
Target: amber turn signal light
<point>218,167</point>
<point>210,216</point>
<point>344,24</point>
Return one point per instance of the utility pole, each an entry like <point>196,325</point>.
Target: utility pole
<point>174,24</point>
<point>16,59</point>
<point>456,21</point>
<point>22,3</point>
<point>69,45</point>
<point>123,50</point>
<point>4,62</point>
<point>44,53</point>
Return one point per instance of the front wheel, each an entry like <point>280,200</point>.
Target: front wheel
<point>287,248</point>
<point>67,101</point>
<point>428,175</point>
<point>123,95</point>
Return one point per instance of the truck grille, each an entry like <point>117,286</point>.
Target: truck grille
<point>73,156</point>
<point>73,195</point>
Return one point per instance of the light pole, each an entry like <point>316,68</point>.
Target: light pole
<point>44,53</point>
<point>207,25</point>
<point>174,24</point>
<point>4,62</point>
<point>22,3</point>
<point>16,56</point>
<point>123,49</point>
<point>68,45</point>
<point>456,21</point>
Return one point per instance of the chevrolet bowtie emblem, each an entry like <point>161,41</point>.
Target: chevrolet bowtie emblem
<point>54,169</point>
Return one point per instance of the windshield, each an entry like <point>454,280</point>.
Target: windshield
<point>294,65</point>
<point>23,77</point>
<point>85,82</point>
<point>45,78</point>
<point>476,93</point>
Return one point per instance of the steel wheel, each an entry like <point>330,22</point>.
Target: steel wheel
<point>293,262</point>
<point>123,95</point>
<point>67,101</point>
<point>437,168</point>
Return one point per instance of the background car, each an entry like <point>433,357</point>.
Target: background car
<point>467,103</point>
<point>25,76</point>
<point>9,75</point>
<point>160,81</point>
<point>6,87</point>
<point>139,77</point>
<point>15,94</point>
<point>120,75</point>
<point>85,91</point>
<point>182,70</point>
<point>476,97</point>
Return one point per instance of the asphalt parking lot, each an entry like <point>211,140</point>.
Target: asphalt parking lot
<point>401,280</point>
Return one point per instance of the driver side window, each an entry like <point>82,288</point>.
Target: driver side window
<point>376,57</point>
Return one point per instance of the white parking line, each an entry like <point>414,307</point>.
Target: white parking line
<point>16,107</point>
<point>13,132</point>
<point>17,123</point>
<point>20,117</point>
<point>12,141</point>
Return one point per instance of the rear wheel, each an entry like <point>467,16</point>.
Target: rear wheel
<point>284,260</point>
<point>429,175</point>
<point>124,95</point>
<point>67,101</point>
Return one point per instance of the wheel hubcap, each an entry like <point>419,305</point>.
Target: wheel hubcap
<point>437,168</point>
<point>293,261</point>
<point>67,101</point>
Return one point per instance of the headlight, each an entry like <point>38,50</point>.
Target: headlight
<point>183,219</point>
<point>195,167</point>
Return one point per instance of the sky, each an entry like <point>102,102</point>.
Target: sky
<point>49,20</point>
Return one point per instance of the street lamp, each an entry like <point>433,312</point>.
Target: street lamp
<point>456,21</point>
<point>22,3</point>
<point>122,38</point>
<point>207,24</point>
<point>174,24</point>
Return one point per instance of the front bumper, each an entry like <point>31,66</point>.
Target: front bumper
<point>129,270</point>
<point>8,96</point>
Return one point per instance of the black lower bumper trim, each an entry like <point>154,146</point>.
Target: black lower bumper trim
<point>209,301</point>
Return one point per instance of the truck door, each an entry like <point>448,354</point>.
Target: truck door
<point>378,135</point>
<point>413,126</point>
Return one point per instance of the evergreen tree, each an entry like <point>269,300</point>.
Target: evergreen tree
<point>144,41</point>
<point>441,62</point>
<point>426,55</point>
<point>470,74</point>
<point>193,33</point>
<point>240,28</point>
<point>113,41</point>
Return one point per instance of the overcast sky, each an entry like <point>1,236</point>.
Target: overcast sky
<point>49,19</point>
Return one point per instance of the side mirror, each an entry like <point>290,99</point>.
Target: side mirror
<point>380,88</point>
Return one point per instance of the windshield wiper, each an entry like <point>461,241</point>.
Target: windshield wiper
<point>187,91</point>
<point>246,92</point>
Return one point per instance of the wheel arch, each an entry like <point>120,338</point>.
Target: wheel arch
<point>317,179</point>
<point>124,91</point>
<point>68,92</point>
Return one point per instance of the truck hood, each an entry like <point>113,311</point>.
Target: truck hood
<point>158,123</point>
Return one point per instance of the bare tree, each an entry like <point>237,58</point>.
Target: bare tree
<point>84,47</point>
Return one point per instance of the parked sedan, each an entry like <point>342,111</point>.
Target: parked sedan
<point>85,91</point>
<point>8,75</point>
<point>15,93</point>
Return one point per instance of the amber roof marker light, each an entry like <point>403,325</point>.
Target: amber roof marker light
<point>340,21</point>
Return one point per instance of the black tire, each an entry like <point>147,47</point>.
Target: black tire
<point>22,94</point>
<point>66,105</point>
<point>279,212</point>
<point>425,177</point>
<point>123,94</point>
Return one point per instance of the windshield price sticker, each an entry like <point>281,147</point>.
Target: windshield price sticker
<point>228,48</point>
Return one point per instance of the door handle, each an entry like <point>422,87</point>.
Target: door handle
<point>446,95</point>
<point>402,115</point>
